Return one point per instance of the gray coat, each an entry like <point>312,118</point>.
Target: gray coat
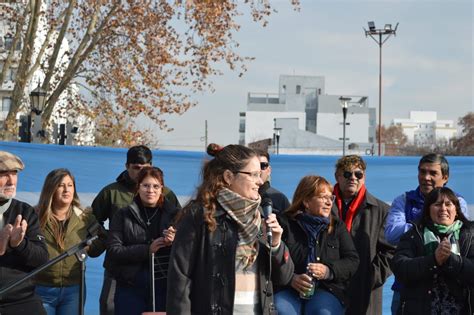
<point>375,253</point>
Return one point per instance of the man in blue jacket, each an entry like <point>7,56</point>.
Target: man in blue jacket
<point>433,171</point>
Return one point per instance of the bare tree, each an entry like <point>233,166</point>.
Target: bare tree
<point>464,145</point>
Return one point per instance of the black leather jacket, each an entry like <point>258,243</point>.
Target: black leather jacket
<point>417,271</point>
<point>129,241</point>
<point>335,250</point>
<point>201,277</point>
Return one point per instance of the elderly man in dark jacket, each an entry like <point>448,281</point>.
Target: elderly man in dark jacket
<point>364,216</point>
<point>22,246</point>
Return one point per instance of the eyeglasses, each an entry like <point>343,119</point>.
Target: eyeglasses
<point>264,165</point>
<point>327,198</point>
<point>154,187</point>
<point>253,175</point>
<point>348,175</point>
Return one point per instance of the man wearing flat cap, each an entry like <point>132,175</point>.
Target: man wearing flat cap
<point>22,246</point>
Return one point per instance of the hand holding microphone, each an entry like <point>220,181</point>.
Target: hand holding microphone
<point>273,228</point>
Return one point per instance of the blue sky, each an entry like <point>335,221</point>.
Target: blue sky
<point>427,66</point>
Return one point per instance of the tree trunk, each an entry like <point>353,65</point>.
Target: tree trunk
<point>23,67</point>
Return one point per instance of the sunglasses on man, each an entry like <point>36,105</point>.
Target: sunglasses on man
<point>348,175</point>
<point>264,165</point>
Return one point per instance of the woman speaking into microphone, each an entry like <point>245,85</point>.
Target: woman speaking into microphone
<point>219,260</point>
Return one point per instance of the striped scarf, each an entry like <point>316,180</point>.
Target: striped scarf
<point>247,216</point>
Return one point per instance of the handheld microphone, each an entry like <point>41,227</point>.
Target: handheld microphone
<point>267,208</point>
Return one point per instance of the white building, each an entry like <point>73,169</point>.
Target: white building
<point>424,129</point>
<point>309,118</point>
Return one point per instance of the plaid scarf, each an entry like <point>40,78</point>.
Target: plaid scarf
<point>433,233</point>
<point>247,216</point>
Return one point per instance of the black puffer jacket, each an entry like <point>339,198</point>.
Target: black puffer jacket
<point>335,250</point>
<point>31,253</point>
<point>129,239</point>
<point>201,277</point>
<point>417,271</point>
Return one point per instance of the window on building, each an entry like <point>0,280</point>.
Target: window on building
<point>242,125</point>
<point>6,103</point>
<point>242,138</point>
<point>298,89</point>
<point>8,39</point>
<point>10,75</point>
<point>319,91</point>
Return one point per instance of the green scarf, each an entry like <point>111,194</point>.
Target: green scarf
<point>432,234</point>
<point>247,216</point>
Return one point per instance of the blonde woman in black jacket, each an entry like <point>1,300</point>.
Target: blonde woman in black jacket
<point>322,250</point>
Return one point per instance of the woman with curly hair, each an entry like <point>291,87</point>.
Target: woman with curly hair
<point>220,264</point>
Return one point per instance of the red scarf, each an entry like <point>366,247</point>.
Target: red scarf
<point>351,212</point>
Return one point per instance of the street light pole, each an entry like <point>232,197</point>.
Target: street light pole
<point>277,136</point>
<point>37,100</point>
<point>344,101</point>
<point>386,31</point>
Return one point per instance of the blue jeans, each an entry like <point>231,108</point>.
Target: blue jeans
<point>288,302</point>
<point>133,300</point>
<point>395,302</point>
<point>59,300</point>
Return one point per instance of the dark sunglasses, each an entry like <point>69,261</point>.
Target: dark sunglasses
<point>348,175</point>
<point>264,165</point>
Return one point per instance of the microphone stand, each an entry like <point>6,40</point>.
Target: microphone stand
<point>78,250</point>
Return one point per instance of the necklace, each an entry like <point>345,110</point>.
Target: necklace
<point>148,219</point>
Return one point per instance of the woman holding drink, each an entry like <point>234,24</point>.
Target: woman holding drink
<point>322,250</point>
